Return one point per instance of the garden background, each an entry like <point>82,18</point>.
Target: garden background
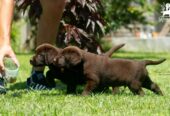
<point>108,22</point>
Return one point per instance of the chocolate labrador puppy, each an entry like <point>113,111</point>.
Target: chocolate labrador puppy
<point>44,56</point>
<point>72,77</point>
<point>102,71</point>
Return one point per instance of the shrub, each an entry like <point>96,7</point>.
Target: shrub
<point>81,23</point>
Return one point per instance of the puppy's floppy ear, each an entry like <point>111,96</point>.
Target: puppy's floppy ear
<point>73,55</point>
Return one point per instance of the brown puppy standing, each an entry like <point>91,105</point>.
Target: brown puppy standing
<point>44,56</point>
<point>102,71</point>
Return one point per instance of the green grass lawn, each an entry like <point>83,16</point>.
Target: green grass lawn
<point>20,101</point>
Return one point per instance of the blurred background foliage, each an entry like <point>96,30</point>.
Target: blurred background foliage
<point>122,13</point>
<point>15,34</point>
<point>85,22</point>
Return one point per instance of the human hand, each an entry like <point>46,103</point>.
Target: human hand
<point>7,51</point>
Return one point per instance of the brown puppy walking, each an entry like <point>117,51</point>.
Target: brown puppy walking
<point>102,71</point>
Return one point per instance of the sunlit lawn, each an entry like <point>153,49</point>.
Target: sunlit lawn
<point>20,101</point>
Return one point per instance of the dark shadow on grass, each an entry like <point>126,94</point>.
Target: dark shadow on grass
<point>22,85</point>
<point>21,88</point>
<point>18,86</point>
<point>19,93</point>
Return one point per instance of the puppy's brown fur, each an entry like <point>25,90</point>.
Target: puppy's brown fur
<point>45,55</point>
<point>102,71</point>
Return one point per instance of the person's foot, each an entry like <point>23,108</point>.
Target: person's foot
<point>2,88</point>
<point>37,81</point>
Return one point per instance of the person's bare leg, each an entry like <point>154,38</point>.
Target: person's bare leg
<point>6,15</point>
<point>49,21</point>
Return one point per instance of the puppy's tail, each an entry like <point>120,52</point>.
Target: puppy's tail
<point>150,62</point>
<point>113,49</point>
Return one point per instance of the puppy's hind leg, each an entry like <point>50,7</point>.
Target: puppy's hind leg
<point>136,88</point>
<point>148,84</point>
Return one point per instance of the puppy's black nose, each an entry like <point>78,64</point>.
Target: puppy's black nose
<point>31,61</point>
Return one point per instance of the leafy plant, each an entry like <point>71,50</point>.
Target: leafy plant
<point>81,23</point>
<point>122,13</point>
<point>15,36</point>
